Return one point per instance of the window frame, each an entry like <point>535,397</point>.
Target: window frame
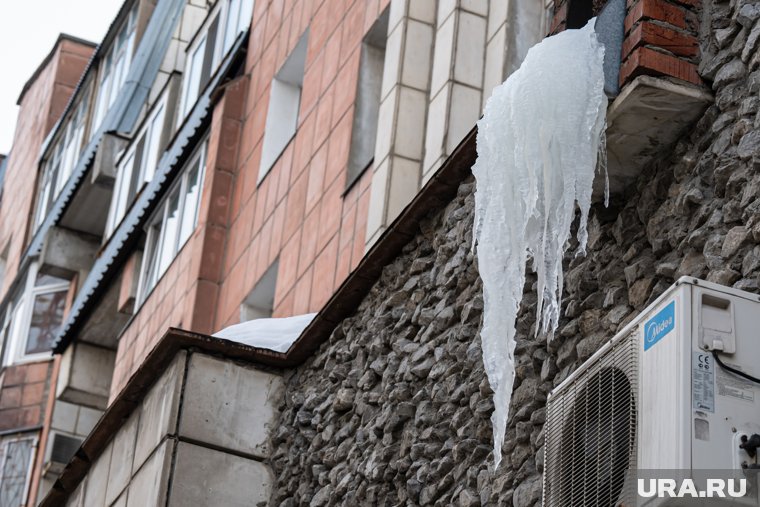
<point>151,270</point>
<point>20,318</point>
<point>30,466</point>
<point>115,64</point>
<point>149,138</point>
<point>223,43</point>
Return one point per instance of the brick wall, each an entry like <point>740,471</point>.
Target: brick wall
<point>41,107</point>
<point>661,37</point>
<point>23,395</point>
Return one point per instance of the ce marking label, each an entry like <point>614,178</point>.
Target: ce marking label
<point>704,362</point>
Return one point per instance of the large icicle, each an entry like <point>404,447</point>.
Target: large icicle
<point>538,145</point>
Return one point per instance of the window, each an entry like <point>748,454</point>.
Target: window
<point>364,129</point>
<point>173,223</point>
<point>212,43</point>
<point>259,304</point>
<point>36,317</point>
<point>63,157</point>
<point>284,102</point>
<point>115,66</point>
<point>15,469</point>
<point>138,165</point>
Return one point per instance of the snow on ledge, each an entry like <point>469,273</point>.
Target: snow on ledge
<point>273,334</point>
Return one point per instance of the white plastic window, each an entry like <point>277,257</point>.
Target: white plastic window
<point>173,223</point>
<point>227,20</point>
<point>36,317</point>
<point>138,165</point>
<point>115,67</point>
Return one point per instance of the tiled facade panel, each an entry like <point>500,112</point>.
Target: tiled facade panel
<point>23,395</point>
<point>300,214</point>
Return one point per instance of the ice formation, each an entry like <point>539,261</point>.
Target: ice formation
<point>272,334</point>
<point>539,144</point>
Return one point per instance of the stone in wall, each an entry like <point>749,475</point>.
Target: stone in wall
<point>394,408</point>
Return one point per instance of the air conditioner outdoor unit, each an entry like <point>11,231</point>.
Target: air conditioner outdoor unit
<point>653,402</point>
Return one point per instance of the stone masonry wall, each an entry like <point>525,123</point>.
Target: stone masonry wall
<point>394,409</point>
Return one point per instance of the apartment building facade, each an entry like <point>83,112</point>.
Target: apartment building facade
<point>230,160</point>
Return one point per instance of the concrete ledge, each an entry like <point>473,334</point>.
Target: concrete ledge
<point>140,396</point>
<point>85,377</point>
<point>66,253</point>
<point>648,116</point>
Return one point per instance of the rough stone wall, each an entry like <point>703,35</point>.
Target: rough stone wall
<point>394,409</point>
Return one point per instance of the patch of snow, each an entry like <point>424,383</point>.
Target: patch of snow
<point>539,144</point>
<point>273,334</point>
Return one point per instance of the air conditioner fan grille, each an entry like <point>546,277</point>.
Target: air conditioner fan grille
<point>591,430</point>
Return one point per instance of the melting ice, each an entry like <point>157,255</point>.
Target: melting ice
<point>538,144</point>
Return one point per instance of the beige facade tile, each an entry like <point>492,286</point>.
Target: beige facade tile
<point>443,55</point>
<point>464,113</point>
<point>410,126</point>
<point>148,487</point>
<point>416,68</point>
<point>470,49</point>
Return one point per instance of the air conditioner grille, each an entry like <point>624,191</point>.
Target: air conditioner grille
<point>591,430</point>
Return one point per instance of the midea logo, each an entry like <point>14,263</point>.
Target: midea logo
<point>655,329</point>
<point>660,325</point>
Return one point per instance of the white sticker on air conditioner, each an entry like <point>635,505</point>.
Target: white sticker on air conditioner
<point>702,381</point>
<point>735,386</point>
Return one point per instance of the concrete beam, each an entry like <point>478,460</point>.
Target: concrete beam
<point>66,253</point>
<point>85,375</point>
<point>645,120</point>
<point>104,167</point>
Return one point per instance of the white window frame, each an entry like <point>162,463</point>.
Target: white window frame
<point>21,318</point>
<point>233,18</point>
<point>151,131</point>
<point>115,67</point>
<point>30,466</point>
<point>152,270</point>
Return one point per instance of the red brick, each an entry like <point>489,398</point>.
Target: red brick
<point>206,299</point>
<point>649,62</point>
<point>30,416</point>
<point>663,11</point>
<point>302,293</point>
<point>33,394</point>
<point>288,269</point>
<point>308,241</point>
<point>324,274</point>
<point>10,419</point>
<point>324,117</point>
<point>14,375</point>
<point>330,214</point>
<point>330,60</point>
<point>353,30</point>
<point>648,33</point>
<point>10,397</point>
<point>37,372</point>
<point>316,178</point>
<point>296,202</point>
<point>346,83</point>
